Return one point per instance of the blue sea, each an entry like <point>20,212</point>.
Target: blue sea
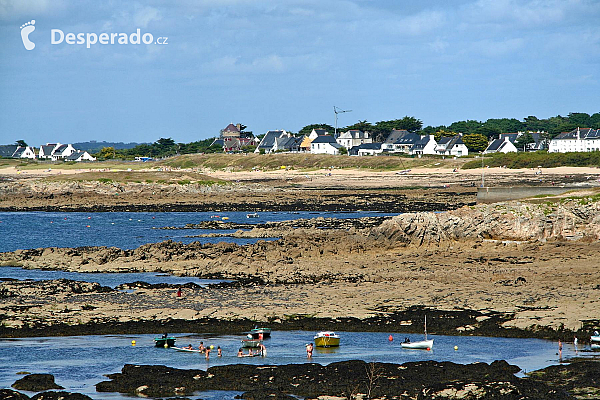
<point>129,230</point>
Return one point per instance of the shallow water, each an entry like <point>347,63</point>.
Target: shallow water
<point>105,279</point>
<point>79,362</point>
<point>128,230</point>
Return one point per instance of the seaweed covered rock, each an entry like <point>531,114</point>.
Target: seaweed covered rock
<point>36,383</point>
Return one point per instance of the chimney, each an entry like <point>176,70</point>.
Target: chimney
<point>239,126</point>
<point>578,134</point>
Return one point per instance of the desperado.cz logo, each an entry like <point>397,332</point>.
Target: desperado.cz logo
<point>57,36</point>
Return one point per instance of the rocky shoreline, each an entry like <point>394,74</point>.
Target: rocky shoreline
<point>425,380</point>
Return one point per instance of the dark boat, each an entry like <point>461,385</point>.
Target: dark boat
<point>260,333</point>
<point>168,341</point>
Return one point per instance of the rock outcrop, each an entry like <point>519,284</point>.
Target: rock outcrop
<point>36,383</point>
<point>573,219</point>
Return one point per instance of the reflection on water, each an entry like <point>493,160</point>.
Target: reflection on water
<point>79,362</point>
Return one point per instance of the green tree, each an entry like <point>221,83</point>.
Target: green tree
<point>106,153</point>
<point>468,126</point>
<point>582,120</point>
<point>489,132</point>
<point>21,143</point>
<point>505,125</point>
<point>360,125</point>
<point>443,133</point>
<point>523,140</point>
<point>308,128</point>
<point>475,142</point>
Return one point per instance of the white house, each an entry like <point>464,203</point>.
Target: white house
<point>578,140</point>
<point>325,144</point>
<point>267,144</point>
<point>46,150</point>
<point>80,156</point>
<point>367,149</point>
<point>24,152</point>
<point>504,144</point>
<point>426,145</point>
<point>62,151</point>
<point>400,141</point>
<point>315,133</point>
<point>451,146</point>
<point>354,137</point>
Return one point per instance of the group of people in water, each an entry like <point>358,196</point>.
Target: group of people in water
<point>261,350</point>
<point>205,349</point>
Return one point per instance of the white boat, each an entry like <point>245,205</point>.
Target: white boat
<point>421,344</point>
<point>595,341</point>
<point>252,215</point>
<point>327,339</point>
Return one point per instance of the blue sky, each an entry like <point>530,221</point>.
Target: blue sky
<point>285,64</point>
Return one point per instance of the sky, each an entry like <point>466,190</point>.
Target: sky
<point>285,64</point>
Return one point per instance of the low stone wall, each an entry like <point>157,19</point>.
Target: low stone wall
<point>495,194</point>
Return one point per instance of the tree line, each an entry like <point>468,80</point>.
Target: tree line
<point>476,134</point>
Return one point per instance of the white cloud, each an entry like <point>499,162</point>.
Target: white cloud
<point>144,15</point>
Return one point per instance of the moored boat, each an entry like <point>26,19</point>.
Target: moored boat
<point>327,339</point>
<point>252,215</point>
<point>165,341</point>
<point>251,343</point>
<point>260,333</point>
<point>421,344</point>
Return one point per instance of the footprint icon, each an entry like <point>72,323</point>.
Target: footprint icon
<point>26,29</point>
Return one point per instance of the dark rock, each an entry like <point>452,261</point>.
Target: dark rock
<point>423,380</point>
<point>7,394</point>
<point>581,377</point>
<point>36,383</point>
<point>60,396</point>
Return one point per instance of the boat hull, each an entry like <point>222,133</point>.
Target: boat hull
<point>182,349</point>
<point>251,343</point>
<point>160,342</point>
<point>422,345</point>
<point>327,341</point>
<point>257,332</point>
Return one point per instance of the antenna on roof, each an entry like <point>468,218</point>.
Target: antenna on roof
<point>337,111</point>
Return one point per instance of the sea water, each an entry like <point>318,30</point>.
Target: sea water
<point>79,362</point>
<point>129,230</point>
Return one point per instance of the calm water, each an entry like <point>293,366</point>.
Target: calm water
<point>126,230</point>
<point>105,279</point>
<point>79,362</point>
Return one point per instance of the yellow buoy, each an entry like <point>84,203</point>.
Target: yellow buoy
<point>166,346</point>
<point>212,346</point>
<point>455,347</point>
<point>133,342</point>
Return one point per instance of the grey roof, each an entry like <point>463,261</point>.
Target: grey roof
<point>75,155</point>
<point>47,149</point>
<point>584,133</point>
<point>288,143</point>
<point>321,132</point>
<point>268,141</point>
<point>421,143</point>
<point>19,151</point>
<point>218,142</point>
<point>511,136</point>
<point>395,135</point>
<point>324,139</point>
<point>7,150</point>
<point>450,142</point>
<point>60,149</point>
<point>370,146</point>
<point>495,145</point>
<point>408,138</point>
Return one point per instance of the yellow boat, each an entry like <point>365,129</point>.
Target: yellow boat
<point>327,339</point>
